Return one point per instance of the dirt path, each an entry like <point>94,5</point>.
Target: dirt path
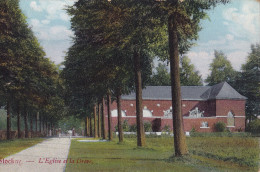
<point>48,156</point>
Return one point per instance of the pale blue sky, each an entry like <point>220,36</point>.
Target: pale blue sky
<point>232,29</point>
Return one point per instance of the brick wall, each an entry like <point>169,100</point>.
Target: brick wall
<point>214,111</point>
<point>224,106</point>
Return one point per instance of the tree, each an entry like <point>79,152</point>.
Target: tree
<point>134,25</point>
<point>248,83</point>
<point>221,69</point>
<point>109,43</point>
<point>161,77</point>
<point>28,79</point>
<point>188,75</point>
<point>182,18</point>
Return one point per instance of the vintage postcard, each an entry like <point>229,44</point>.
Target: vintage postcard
<point>129,85</point>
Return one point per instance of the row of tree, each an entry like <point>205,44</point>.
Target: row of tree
<point>114,44</point>
<point>29,82</point>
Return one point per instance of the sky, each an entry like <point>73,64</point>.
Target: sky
<point>232,28</point>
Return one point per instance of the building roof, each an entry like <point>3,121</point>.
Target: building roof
<point>219,91</point>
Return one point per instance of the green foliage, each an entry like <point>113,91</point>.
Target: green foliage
<point>254,126</point>
<point>247,82</point>
<point>206,154</point>
<point>166,128</point>
<point>239,150</point>
<point>188,75</point>
<point>220,126</point>
<point>147,126</point>
<point>70,122</point>
<point>11,147</point>
<point>221,69</point>
<point>13,121</point>
<point>28,80</point>
<point>193,130</point>
<point>125,126</point>
<point>133,128</point>
<point>104,58</point>
<point>161,77</point>
<point>220,134</point>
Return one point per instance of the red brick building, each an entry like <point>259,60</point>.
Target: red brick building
<point>202,107</point>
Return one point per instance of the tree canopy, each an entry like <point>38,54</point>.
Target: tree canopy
<point>221,69</point>
<point>248,82</point>
<point>28,79</point>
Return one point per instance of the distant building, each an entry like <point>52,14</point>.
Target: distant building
<point>202,107</point>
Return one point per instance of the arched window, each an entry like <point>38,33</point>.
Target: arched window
<point>114,113</point>
<point>147,113</point>
<point>230,119</point>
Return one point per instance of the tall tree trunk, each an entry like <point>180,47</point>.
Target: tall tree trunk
<point>46,127</point>
<point>110,132</point>
<point>139,110</point>
<point>95,122</point>
<point>43,126</point>
<point>104,133</point>
<point>25,123</point>
<point>31,123</point>
<point>36,121</point>
<point>179,136</point>
<point>99,120</point>
<point>119,118</point>
<point>18,121</point>
<point>90,126</point>
<point>88,131</point>
<point>8,120</point>
<point>40,123</point>
<point>86,127</point>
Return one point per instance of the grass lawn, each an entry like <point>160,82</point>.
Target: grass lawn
<point>206,154</point>
<point>13,146</point>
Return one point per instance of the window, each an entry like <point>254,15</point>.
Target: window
<point>114,113</point>
<point>147,113</point>
<point>230,119</point>
<point>204,124</point>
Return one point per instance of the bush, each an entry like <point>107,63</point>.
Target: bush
<point>254,126</point>
<point>125,126</point>
<point>116,128</point>
<point>147,127</point>
<point>193,130</point>
<point>220,127</point>
<point>220,134</point>
<point>132,128</point>
<point>166,128</point>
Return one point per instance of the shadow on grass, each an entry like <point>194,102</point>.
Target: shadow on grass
<point>186,159</point>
